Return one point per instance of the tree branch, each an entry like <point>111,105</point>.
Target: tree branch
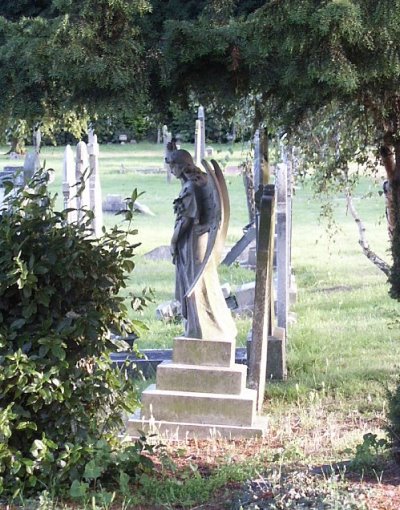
<point>373,257</point>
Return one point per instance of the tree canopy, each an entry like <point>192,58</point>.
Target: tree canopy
<point>325,72</point>
<point>64,60</point>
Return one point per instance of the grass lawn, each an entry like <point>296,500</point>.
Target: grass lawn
<point>344,347</point>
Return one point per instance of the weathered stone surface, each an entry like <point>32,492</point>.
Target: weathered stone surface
<point>252,257</point>
<point>175,431</point>
<point>245,296</point>
<point>226,290</point>
<point>13,174</point>
<point>159,253</point>
<point>193,351</point>
<point>194,407</point>
<point>276,358</point>
<point>193,378</point>
<point>168,311</point>
<point>116,203</point>
<point>293,290</point>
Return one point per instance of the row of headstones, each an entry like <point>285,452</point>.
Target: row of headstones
<point>81,183</point>
<point>80,179</point>
<point>21,174</point>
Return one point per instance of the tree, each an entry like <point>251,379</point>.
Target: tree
<point>299,59</point>
<point>65,62</point>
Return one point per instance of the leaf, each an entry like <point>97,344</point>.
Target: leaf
<point>58,351</point>
<point>22,425</point>
<point>18,323</point>
<point>92,471</point>
<point>37,447</point>
<point>43,350</point>
<point>78,489</point>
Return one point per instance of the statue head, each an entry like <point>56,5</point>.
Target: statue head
<point>181,162</point>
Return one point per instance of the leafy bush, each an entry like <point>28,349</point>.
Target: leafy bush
<point>370,455</point>
<point>59,393</point>
<point>393,419</point>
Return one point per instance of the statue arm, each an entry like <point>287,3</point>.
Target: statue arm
<point>181,226</point>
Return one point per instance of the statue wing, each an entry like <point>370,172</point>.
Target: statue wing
<point>218,218</point>
<point>224,207</point>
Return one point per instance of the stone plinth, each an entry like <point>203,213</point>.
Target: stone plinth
<point>193,351</point>
<point>201,393</point>
<point>201,379</point>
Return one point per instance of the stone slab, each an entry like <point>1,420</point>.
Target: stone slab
<point>245,296</point>
<point>202,408</point>
<point>173,431</point>
<point>194,378</point>
<point>276,359</point>
<point>193,351</point>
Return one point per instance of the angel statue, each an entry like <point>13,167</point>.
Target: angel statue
<point>202,214</point>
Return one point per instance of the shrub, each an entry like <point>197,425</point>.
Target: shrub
<point>59,297</point>
<point>393,419</point>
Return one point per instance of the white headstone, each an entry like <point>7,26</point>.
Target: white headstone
<point>94,184</point>
<point>167,138</point>
<point>82,173</point>
<point>197,143</point>
<point>69,181</point>
<point>257,161</point>
<point>282,247</point>
<point>202,119</point>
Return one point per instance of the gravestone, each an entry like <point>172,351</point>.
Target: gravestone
<point>81,183</point>
<point>167,140</point>
<point>95,197</point>
<point>200,137</point>
<point>68,185</point>
<point>81,178</point>
<point>263,303</point>
<point>282,247</point>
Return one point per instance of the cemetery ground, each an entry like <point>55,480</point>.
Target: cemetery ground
<point>343,355</point>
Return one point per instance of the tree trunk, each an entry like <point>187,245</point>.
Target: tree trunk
<point>389,162</point>
<point>390,152</point>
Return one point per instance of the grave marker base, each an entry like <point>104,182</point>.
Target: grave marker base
<point>200,394</point>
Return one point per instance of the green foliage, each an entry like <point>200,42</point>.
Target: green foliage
<point>62,58</point>
<point>59,393</point>
<point>369,455</point>
<point>393,418</point>
<point>111,467</point>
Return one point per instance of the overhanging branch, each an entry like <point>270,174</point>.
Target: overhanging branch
<point>362,241</point>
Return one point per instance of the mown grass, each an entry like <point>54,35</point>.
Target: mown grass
<point>343,348</point>
<point>341,339</point>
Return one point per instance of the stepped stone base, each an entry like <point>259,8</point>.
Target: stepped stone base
<point>175,431</point>
<point>202,394</point>
<point>194,378</point>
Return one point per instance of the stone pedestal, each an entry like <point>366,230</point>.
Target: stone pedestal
<point>201,393</point>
